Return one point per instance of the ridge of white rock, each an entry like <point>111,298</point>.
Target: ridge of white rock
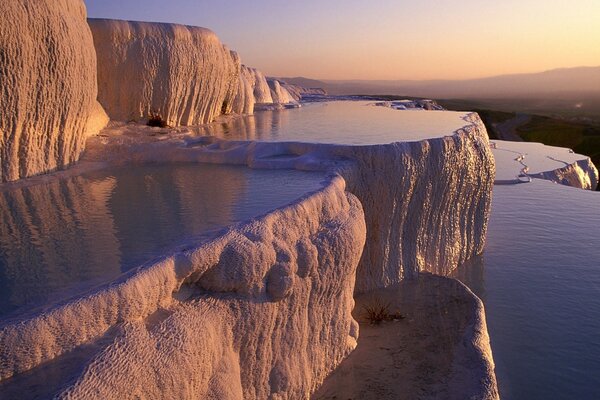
<point>520,161</point>
<point>297,91</point>
<point>183,73</point>
<point>279,93</point>
<point>244,100</point>
<point>262,91</point>
<point>287,276</point>
<point>48,81</point>
<point>427,202</point>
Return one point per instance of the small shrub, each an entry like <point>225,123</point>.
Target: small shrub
<point>378,311</point>
<point>156,120</point>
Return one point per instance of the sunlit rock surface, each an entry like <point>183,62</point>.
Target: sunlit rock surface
<point>48,81</point>
<point>426,202</point>
<point>262,91</point>
<point>298,91</point>
<point>272,298</point>
<point>279,93</point>
<point>520,161</point>
<point>183,73</point>
<point>265,309</point>
<point>244,100</point>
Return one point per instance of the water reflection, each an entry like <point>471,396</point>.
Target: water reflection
<point>539,278</point>
<point>343,122</point>
<point>54,236</point>
<point>63,237</point>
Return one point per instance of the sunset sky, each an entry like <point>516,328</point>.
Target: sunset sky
<point>387,39</point>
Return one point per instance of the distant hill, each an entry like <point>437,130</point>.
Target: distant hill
<point>572,93</point>
<point>304,82</point>
<point>554,82</point>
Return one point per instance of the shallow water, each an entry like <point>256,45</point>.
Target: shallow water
<point>539,279</point>
<point>341,122</point>
<point>64,237</point>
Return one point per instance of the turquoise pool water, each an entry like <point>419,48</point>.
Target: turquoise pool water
<point>539,279</point>
<point>61,238</point>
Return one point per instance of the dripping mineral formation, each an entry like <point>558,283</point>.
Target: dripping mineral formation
<point>48,80</point>
<point>184,74</point>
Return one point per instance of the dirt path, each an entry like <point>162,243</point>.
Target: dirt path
<point>507,130</point>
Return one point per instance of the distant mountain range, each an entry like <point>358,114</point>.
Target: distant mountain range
<point>559,82</point>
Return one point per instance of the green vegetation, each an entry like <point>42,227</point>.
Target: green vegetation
<point>564,129</point>
<point>582,138</point>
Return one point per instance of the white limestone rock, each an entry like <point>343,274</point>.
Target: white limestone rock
<point>183,73</point>
<point>262,91</point>
<point>98,120</point>
<point>264,309</point>
<point>245,99</point>
<point>518,162</point>
<point>267,312</point>
<point>427,203</point>
<point>298,92</point>
<point>48,81</point>
<point>257,93</point>
<point>279,93</point>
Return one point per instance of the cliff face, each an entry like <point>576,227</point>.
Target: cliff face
<point>262,91</point>
<point>244,99</point>
<point>183,73</point>
<point>48,82</point>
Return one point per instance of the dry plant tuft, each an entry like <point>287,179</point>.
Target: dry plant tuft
<point>378,311</point>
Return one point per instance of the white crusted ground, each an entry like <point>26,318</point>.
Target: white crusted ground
<point>272,298</point>
<point>48,81</point>
<point>426,202</point>
<point>520,161</point>
<point>265,310</point>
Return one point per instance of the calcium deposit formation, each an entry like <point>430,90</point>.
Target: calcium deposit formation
<point>263,310</point>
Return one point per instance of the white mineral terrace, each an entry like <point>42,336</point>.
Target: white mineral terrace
<point>518,162</point>
<point>339,122</point>
<point>189,324</point>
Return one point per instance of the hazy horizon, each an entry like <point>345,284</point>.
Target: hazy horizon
<point>389,40</point>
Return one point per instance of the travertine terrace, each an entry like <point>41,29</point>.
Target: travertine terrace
<point>48,81</point>
<point>262,310</point>
<point>523,161</point>
<point>184,74</point>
